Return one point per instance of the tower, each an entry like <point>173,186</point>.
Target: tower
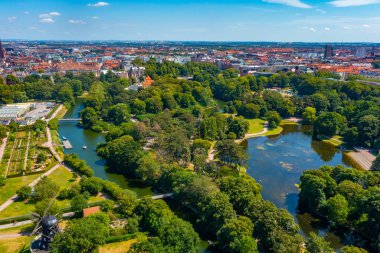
<point>2,51</point>
<point>328,51</point>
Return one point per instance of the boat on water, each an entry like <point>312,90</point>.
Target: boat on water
<point>84,147</point>
<point>64,138</point>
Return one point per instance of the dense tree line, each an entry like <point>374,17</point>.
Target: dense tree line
<point>346,197</point>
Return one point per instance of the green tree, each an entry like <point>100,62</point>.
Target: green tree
<point>239,126</point>
<point>46,207</point>
<point>45,189</point>
<point>236,236</point>
<point>230,152</point>
<point>337,209</point>
<point>309,115</point>
<point>89,117</point>
<point>250,111</point>
<point>352,249</point>
<point>82,235</point>
<point>274,119</point>
<point>329,123</point>
<point>66,95</point>
<point>148,169</point>
<point>317,244</point>
<point>24,192</point>
<point>122,154</point>
<point>3,131</point>
<point>369,129</point>
<point>119,113</point>
<point>138,107</point>
<point>78,203</point>
<point>376,163</point>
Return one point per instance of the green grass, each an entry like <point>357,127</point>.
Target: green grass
<point>13,184</point>
<point>117,247</point>
<point>274,131</point>
<point>17,244</point>
<point>336,140</point>
<point>60,176</point>
<point>255,126</point>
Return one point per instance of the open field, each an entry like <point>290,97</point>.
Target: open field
<point>117,247</point>
<point>60,176</point>
<point>13,184</point>
<point>255,126</point>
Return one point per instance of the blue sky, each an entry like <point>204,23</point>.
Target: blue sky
<point>211,20</point>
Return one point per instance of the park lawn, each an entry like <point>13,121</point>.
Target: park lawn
<point>19,229</point>
<point>274,131</point>
<point>117,247</point>
<point>287,122</point>
<point>16,244</point>
<point>13,184</point>
<point>255,126</point>
<point>62,177</point>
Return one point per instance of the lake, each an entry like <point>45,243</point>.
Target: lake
<point>277,162</point>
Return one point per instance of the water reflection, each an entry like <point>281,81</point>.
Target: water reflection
<point>277,162</point>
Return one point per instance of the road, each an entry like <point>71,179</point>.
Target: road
<point>2,147</point>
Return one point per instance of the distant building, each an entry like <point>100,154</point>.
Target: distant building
<point>361,52</point>
<point>328,51</point>
<point>2,51</point>
<point>148,82</point>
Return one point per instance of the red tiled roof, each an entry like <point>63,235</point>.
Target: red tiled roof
<point>90,210</point>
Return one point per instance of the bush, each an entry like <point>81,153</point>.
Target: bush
<point>24,192</point>
<point>80,166</point>
<point>92,185</point>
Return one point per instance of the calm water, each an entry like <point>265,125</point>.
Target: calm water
<point>277,163</point>
<point>80,137</point>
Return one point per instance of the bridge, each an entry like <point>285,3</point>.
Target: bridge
<point>71,119</point>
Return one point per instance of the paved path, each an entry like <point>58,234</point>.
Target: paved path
<point>49,145</point>
<point>32,184</point>
<point>2,147</point>
<point>55,113</point>
<point>247,136</point>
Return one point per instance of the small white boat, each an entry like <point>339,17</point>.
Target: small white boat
<point>84,147</point>
<point>64,138</point>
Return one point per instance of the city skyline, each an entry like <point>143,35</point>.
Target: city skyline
<point>210,20</point>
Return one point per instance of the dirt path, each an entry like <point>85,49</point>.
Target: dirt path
<point>49,145</point>
<point>10,158</point>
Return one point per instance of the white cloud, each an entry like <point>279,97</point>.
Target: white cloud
<point>312,29</point>
<point>346,27</point>
<point>54,13</point>
<point>48,17</point>
<point>95,17</point>
<point>33,28</point>
<point>293,3</point>
<point>26,12</point>
<point>76,21</point>
<point>99,4</point>
<point>347,3</point>
<point>11,19</point>
<point>47,20</point>
<point>327,29</point>
<point>321,11</point>
<point>366,26</point>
